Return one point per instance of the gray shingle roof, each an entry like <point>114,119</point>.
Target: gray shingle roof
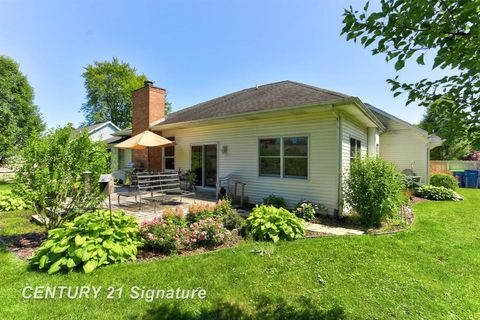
<point>91,127</point>
<point>272,96</point>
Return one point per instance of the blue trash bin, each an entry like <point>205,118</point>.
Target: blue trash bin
<point>460,175</point>
<point>471,178</point>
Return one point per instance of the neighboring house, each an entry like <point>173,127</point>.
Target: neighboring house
<point>105,131</point>
<point>286,138</point>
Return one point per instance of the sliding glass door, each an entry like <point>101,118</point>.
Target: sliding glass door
<point>204,164</point>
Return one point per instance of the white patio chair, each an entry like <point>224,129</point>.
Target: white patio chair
<point>224,182</point>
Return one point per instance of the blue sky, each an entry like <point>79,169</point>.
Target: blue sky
<point>197,50</point>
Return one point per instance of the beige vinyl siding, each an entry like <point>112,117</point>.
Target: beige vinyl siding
<point>405,147</point>
<point>352,129</point>
<point>242,161</point>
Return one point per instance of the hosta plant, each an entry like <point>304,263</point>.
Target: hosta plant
<point>12,202</point>
<point>88,242</point>
<point>437,193</point>
<point>270,223</point>
<point>306,210</point>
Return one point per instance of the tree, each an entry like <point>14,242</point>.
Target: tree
<point>20,118</point>
<point>51,174</point>
<point>109,86</point>
<point>448,31</point>
<point>451,129</point>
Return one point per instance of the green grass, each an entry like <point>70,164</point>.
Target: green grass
<point>431,271</point>
<point>5,186</point>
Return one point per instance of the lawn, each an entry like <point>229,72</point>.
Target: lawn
<point>431,271</point>
<point>5,186</point>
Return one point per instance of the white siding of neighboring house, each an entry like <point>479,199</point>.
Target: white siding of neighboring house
<point>103,133</point>
<point>406,148</point>
<point>241,160</point>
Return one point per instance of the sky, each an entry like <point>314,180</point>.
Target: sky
<point>197,49</point>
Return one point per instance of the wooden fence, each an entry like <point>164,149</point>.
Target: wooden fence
<point>447,166</point>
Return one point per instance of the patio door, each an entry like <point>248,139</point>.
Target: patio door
<point>204,163</point>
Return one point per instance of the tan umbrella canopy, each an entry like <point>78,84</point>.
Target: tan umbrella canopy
<point>144,140</point>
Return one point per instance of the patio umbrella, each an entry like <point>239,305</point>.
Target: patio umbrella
<point>144,140</point>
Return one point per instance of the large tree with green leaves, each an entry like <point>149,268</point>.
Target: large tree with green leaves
<point>451,129</point>
<point>19,116</point>
<point>109,86</point>
<point>442,33</point>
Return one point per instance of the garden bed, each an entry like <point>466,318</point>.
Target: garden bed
<point>24,245</point>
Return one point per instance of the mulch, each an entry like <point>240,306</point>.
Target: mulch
<point>24,245</point>
<point>145,254</point>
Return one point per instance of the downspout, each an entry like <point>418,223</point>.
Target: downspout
<point>339,158</point>
<point>427,169</point>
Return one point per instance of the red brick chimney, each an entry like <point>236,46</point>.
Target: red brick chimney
<point>148,105</point>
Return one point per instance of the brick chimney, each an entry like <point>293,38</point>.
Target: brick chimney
<point>148,105</point>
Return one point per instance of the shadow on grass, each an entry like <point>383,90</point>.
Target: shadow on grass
<point>266,308</point>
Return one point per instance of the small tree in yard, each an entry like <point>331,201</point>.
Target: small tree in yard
<point>373,189</point>
<point>51,174</point>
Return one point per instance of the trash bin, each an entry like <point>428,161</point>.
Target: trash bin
<point>471,178</point>
<point>460,175</point>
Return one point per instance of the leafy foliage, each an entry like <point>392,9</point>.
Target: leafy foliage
<point>163,235</point>
<point>207,233</point>
<point>11,202</point>
<point>88,242</point>
<point>446,30</point>
<point>20,118</point>
<point>373,190</point>
<point>175,215</point>
<point>51,174</point>
<point>451,128</point>
<point>276,201</point>
<point>270,223</point>
<point>228,216</point>
<point>444,180</point>
<point>109,85</point>
<point>306,210</point>
<point>437,193</point>
<point>168,237</point>
<point>200,211</point>
<point>472,156</point>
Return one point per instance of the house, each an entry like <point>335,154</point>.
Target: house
<point>286,138</point>
<point>102,131</point>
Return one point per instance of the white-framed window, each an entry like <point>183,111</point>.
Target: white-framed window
<point>355,148</point>
<point>283,157</point>
<point>169,156</point>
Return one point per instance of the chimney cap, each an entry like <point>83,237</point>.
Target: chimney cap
<point>148,83</point>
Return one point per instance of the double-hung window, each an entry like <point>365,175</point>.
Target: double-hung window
<point>169,156</point>
<point>355,149</point>
<point>285,157</point>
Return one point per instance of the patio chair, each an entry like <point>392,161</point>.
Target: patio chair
<point>224,182</point>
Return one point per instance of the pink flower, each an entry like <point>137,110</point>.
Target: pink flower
<point>150,236</point>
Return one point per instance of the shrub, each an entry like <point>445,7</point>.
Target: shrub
<point>437,193</point>
<point>270,223</point>
<point>88,242</point>
<point>175,215</point>
<point>372,189</point>
<point>306,210</point>
<point>12,202</point>
<point>207,233</point>
<point>444,180</point>
<point>228,215</point>
<point>163,235</point>
<point>276,201</point>
<point>51,174</point>
<point>200,211</point>
<point>409,182</point>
